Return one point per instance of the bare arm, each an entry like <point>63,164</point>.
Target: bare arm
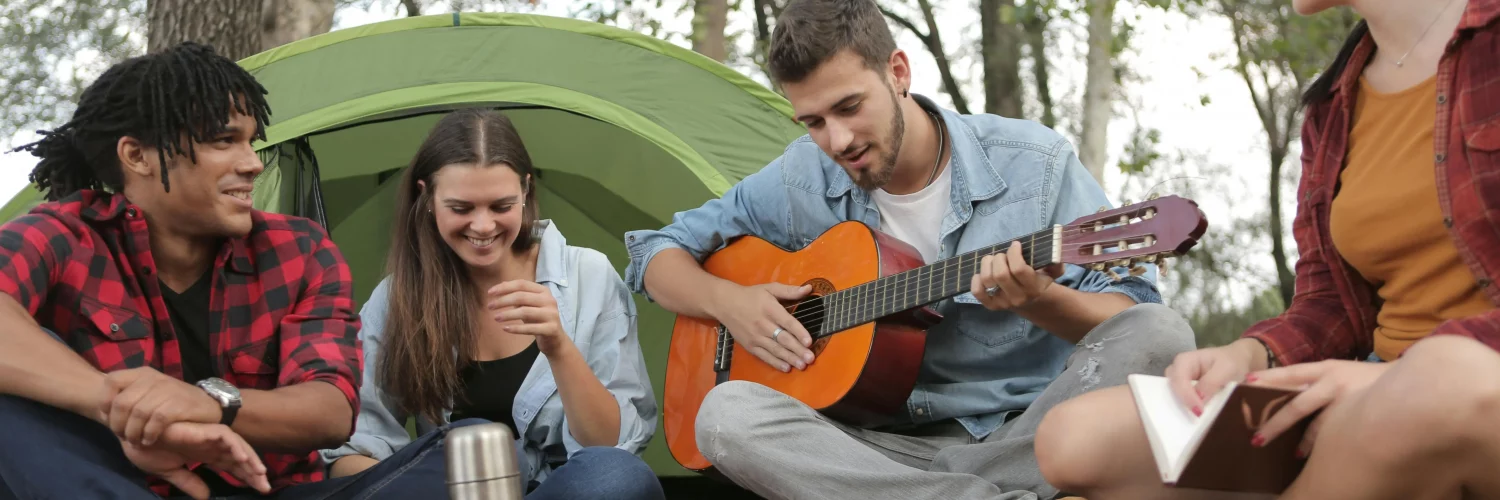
<point>678,282</point>
<point>294,419</point>
<point>35,366</point>
<point>1070,314</point>
<point>593,415</point>
<point>34,251</point>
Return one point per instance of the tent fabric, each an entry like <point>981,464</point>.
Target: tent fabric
<point>717,112</point>
<point>625,131</point>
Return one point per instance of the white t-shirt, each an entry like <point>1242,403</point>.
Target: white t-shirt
<point>917,218</point>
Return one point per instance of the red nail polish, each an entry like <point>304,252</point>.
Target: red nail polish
<point>1251,377</point>
<point>1301,454</point>
<point>1257,440</point>
<point>1197,410</point>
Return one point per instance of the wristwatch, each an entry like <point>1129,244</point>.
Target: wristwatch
<point>226,394</point>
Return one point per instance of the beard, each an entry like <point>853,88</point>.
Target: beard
<point>884,167</point>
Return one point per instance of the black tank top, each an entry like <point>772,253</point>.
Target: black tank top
<point>490,387</point>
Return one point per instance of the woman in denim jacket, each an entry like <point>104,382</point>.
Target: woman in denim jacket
<point>488,315</point>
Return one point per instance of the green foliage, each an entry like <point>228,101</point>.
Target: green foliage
<point>1140,151</point>
<point>1216,270</point>
<point>53,49</point>
<point>1216,326</point>
<point>1270,34</point>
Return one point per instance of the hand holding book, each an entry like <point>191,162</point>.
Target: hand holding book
<point>1322,384</point>
<point>1196,375</point>
<point>1221,421</point>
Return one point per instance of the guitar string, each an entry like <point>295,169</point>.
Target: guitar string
<point>890,283</point>
<point>887,284</point>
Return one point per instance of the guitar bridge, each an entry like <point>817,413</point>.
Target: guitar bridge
<point>723,350</point>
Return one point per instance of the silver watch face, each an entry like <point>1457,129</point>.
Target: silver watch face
<point>221,390</point>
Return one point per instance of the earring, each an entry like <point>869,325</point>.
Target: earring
<point>903,92</point>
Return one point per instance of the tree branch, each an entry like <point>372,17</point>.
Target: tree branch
<point>905,23</point>
<point>934,44</point>
<point>413,9</point>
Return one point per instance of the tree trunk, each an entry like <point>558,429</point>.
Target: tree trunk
<point>286,21</point>
<point>709,19</point>
<point>762,24</point>
<point>233,27</point>
<point>1000,46</point>
<point>1034,23</point>
<point>1285,278</point>
<point>413,9</point>
<point>1098,88</point>
<point>763,38</point>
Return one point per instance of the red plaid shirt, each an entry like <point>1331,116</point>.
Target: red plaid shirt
<point>280,313</point>
<point>1332,315</point>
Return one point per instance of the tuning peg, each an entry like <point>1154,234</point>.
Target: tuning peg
<point>1162,268</point>
<point>1113,275</point>
<point>1137,271</point>
<point>1101,210</point>
<point>1150,259</point>
<point>1154,196</point>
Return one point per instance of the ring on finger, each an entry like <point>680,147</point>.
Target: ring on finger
<point>992,290</point>
<point>776,333</point>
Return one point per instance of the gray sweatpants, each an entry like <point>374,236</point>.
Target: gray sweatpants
<point>778,447</point>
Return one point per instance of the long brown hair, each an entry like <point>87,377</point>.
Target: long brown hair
<point>432,305</point>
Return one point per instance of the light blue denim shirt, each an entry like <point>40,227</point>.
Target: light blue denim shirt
<point>1010,178</point>
<point>596,312</point>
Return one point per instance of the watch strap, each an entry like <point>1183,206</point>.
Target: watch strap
<point>230,411</point>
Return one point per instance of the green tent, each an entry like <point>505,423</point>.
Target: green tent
<point>625,129</point>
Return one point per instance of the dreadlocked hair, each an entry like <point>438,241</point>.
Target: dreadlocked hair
<point>187,90</point>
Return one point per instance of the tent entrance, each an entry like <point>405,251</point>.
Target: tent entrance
<point>596,180</point>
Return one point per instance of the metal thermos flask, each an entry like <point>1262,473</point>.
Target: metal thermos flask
<point>482,463</point>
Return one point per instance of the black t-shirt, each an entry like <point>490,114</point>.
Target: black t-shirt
<point>189,312</point>
<point>490,387</point>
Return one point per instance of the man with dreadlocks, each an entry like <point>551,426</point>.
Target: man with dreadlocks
<point>195,330</point>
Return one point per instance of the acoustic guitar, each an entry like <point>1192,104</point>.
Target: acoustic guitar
<point>870,308</point>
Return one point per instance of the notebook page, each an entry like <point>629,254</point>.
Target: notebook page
<point>1167,421</point>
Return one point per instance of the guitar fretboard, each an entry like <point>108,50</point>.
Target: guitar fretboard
<point>860,304</point>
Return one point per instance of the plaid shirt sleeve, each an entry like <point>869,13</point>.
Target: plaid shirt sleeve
<point>32,247</point>
<point>1484,327</point>
<point>320,336</point>
<point>1316,326</point>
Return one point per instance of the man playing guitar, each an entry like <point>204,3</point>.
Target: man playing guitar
<point>1021,342</point>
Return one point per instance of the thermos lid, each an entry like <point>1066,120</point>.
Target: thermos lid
<point>483,452</point>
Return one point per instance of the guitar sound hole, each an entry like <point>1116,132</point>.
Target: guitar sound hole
<point>810,312</point>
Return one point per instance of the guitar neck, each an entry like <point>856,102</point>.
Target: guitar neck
<point>940,280</point>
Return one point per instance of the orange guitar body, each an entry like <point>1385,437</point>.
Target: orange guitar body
<point>860,375</point>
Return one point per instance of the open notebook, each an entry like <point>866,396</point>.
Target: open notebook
<point>1213,451</point>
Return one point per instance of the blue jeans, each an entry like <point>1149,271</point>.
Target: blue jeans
<point>46,452</point>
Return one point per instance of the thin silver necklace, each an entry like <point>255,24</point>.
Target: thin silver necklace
<point>942,141</point>
<point>1424,33</point>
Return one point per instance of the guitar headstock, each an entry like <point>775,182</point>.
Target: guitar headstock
<point>1144,232</point>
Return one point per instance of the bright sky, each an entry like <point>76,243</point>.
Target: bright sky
<point>1165,50</point>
